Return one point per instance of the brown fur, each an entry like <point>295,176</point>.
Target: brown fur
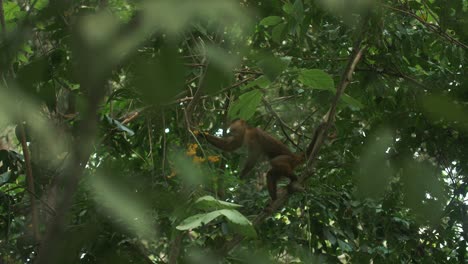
<point>258,142</point>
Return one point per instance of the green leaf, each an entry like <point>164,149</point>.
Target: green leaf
<point>316,79</point>
<point>288,8</point>
<point>344,246</point>
<point>209,202</point>
<point>261,82</point>
<point>272,66</point>
<point>320,80</point>
<point>197,220</point>
<point>298,11</point>
<point>277,33</point>
<point>239,223</point>
<point>271,21</point>
<point>351,101</point>
<point>40,4</point>
<point>11,10</point>
<point>22,58</point>
<point>5,177</point>
<point>246,105</point>
<point>236,220</point>
<point>329,236</point>
<point>405,223</point>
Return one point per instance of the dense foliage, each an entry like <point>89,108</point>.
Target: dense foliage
<point>99,100</point>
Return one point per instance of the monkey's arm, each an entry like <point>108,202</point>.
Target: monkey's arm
<point>227,144</point>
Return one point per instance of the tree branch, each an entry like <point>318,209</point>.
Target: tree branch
<point>175,247</point>
<point>319,133</point>
<point>30,183</point>
<point>434,28</point>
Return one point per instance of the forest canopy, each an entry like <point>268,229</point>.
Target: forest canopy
<point>109,110</point>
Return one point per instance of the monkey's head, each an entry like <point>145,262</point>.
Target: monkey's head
<point>238,127</point>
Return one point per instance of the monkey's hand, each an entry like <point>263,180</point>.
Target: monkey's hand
<point>199,134</point>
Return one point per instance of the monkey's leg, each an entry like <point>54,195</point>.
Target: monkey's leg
<point>283,166</point>
<point>293,185</point>
<point>271,184</point>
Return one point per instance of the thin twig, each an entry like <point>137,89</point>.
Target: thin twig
<point>198,93</point>
<point>52,211</point>
<point>434,28</point>
<point>149,125</point>
<point>282,123</point>
<point>237,84</point>
<point>220,181</point>
<point>191,98</point>
<point>399,75</point>
<point>163,161</point>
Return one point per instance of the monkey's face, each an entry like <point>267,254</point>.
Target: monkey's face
<point>237,128</point>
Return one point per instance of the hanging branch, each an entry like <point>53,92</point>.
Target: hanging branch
<point>317,141</point>
<point>432,27</point>
<point>30,183</point>
<point>223,90</point>
<point>321,131</point>
<point>220,179</point>
<point>195,99</point>
<point>198,93</point>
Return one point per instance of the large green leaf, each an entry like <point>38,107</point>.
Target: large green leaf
<point>298,11</point>
<point>271,21</point>
<point>351,101</point>
<point>273,66</point>
<point>261,82</point>
<point>211,203</point>
<point>316,79</point>
<point>246,105</point>
<point>320,80</point>
<point>278,32</point>
<point>5,177</point>
<point>11,10</point>
<point>236,220</point>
